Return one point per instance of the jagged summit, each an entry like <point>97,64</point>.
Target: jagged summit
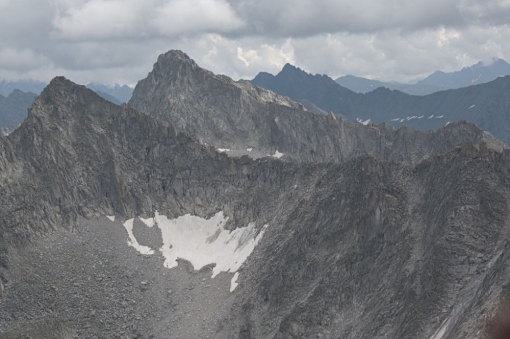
<point>175,54</point>
<point>174,64</point>
<point>288,67</point>
<point>64,95</point>
<point>62,88</point>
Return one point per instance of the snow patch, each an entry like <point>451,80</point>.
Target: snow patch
<point>223,150</point>
<point>447,124</point>
<point>471,106</point>
<point>128,225</point>
<point>363,122</point>
<point>431,116</point>
<point>277,155</point>
<point>401,120</point>
<point>148,222</point>
<point>233,282</point>
<point>396,119</point>
<point>249,149</point>
<point>201,241</point>
<point>205,241</point>
<point>440,117</point>
<point>111,217</point>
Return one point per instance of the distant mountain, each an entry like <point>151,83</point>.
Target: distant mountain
<point>109,97</point>
<point>13,108</point>
<point>363,85</point>
<point>121,93</point>
<point>474,75</point>
<point>477,74</point>
<point>7,87</point>
<point>487,105</point>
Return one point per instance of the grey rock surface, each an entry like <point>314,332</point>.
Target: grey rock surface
<point>366,248</point>
<point>239,116</point>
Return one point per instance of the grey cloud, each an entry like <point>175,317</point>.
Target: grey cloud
<point>119,40</point>
<point>312,17</point>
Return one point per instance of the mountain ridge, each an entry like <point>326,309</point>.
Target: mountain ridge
<point>485,105</point>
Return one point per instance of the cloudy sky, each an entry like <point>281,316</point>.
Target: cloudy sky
<point>117,41</point>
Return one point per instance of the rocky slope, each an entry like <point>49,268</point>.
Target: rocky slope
<point>486,105</point>
<point>244,119</point>
<point>367,248</point>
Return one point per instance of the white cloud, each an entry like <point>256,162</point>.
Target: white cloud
<point>107,19</point>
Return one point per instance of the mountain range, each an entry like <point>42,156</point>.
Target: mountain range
<point>480,73</point>
<point>121,223</point>
<point>243,119</point>
<point>486,105</point>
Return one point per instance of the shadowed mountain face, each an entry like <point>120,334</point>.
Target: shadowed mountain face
<point>362,249</point>
<point>438,81</point>
<point>245,119</point>
<point>486,105</point>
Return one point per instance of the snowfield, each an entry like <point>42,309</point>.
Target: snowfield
<point>201,242</point>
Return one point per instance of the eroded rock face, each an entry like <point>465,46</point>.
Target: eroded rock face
<point>239,116</point>
<point>366,248</point>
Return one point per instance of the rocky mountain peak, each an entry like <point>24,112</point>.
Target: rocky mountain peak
<point>174,66</point>
<point>289,68</point>
<point>175,55</point>
<point>64,96</point>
